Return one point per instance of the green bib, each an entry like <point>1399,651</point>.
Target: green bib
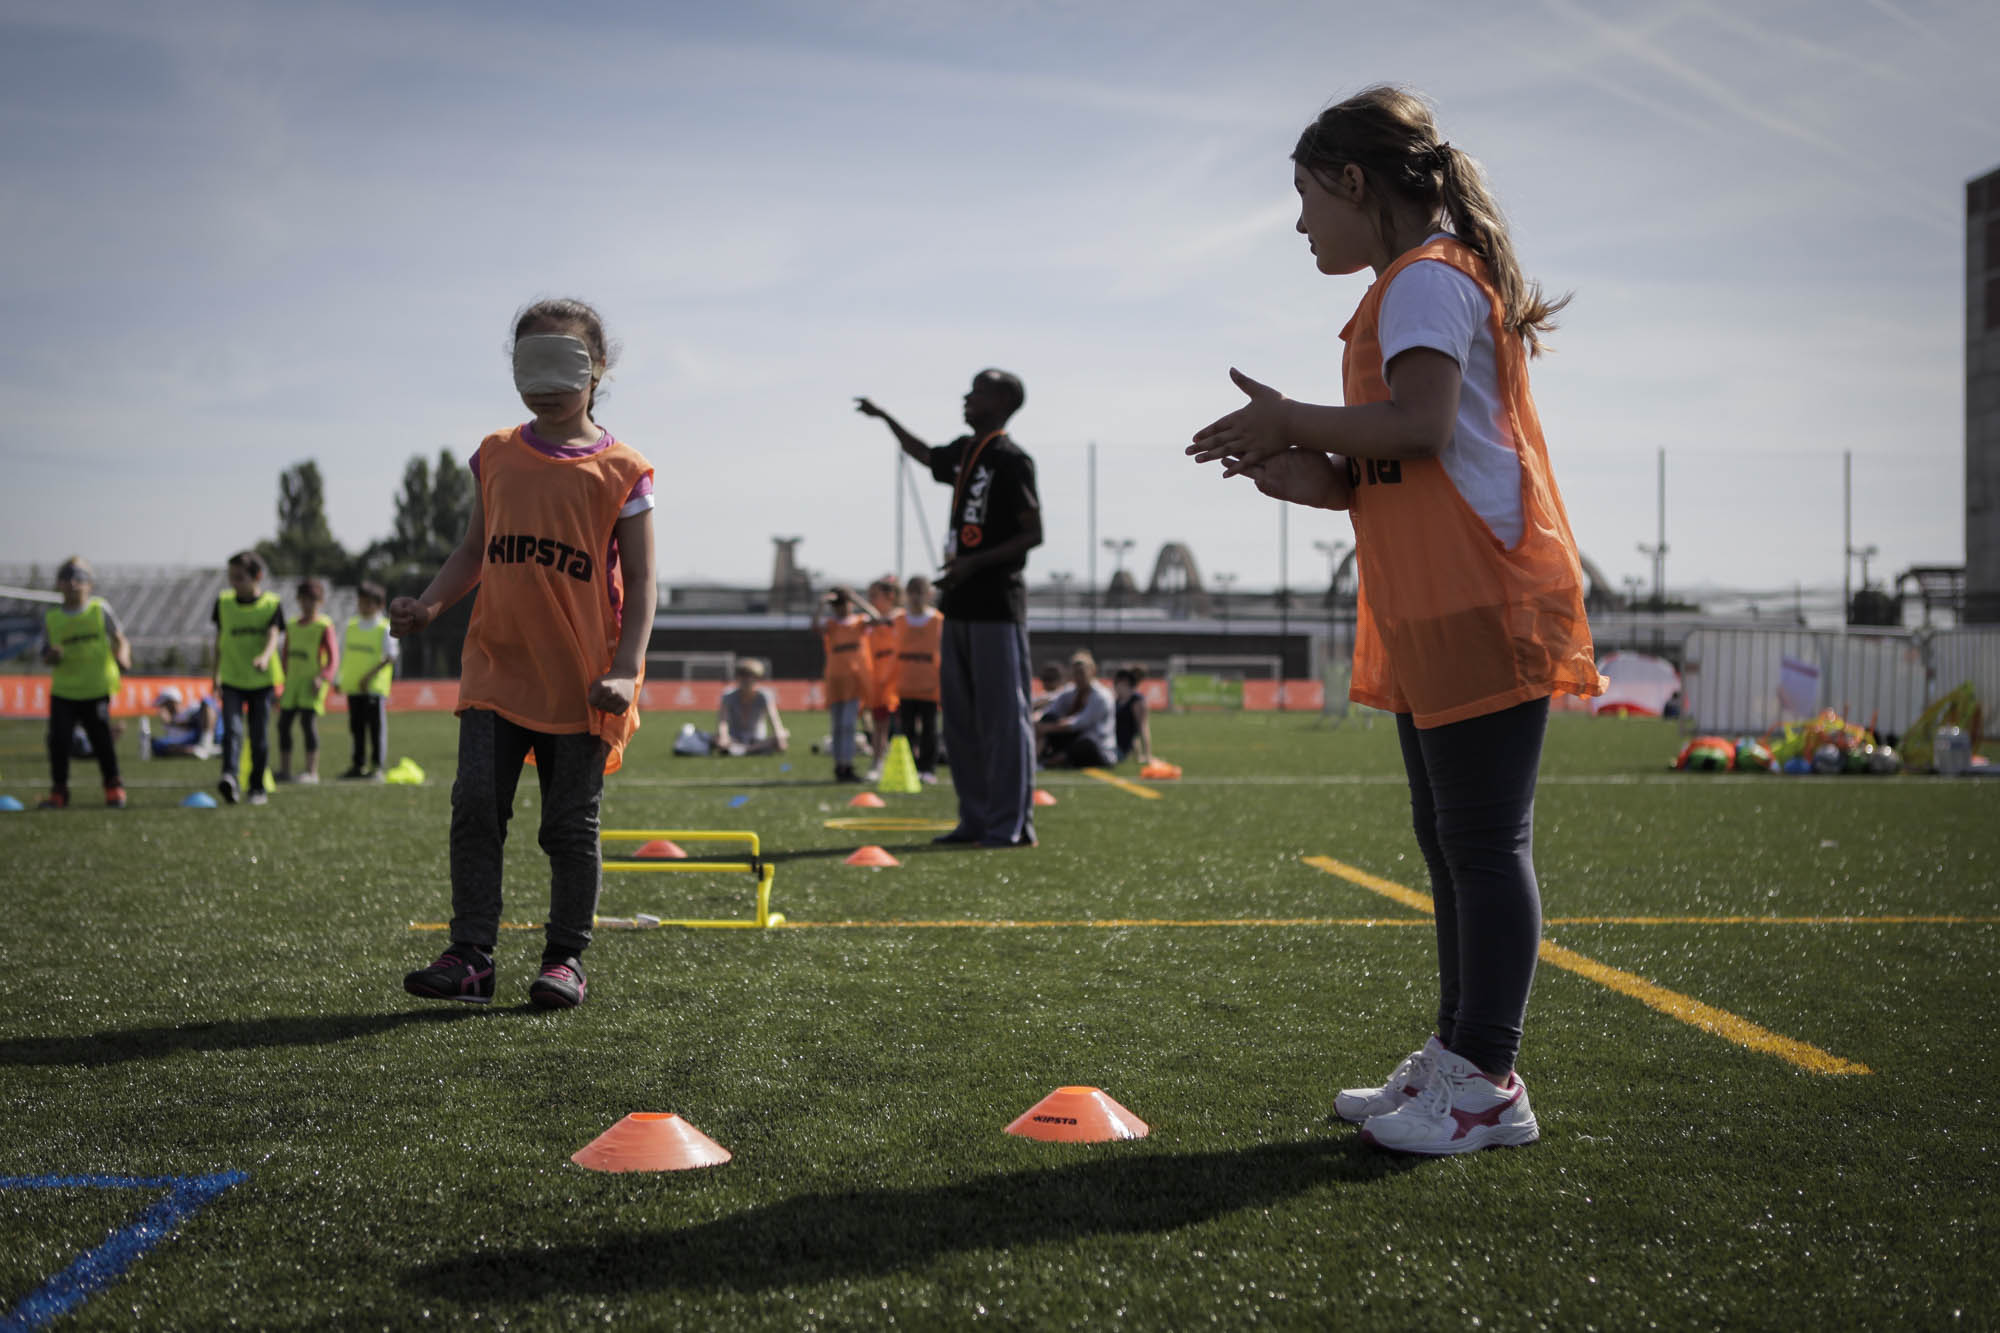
<point>303,687</point>
<point>87,670</point>
<point>362,650</point>
<point>243,629</point>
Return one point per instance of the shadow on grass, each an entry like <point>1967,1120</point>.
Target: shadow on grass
<point>151,1043</point>
<point>872,1233</point>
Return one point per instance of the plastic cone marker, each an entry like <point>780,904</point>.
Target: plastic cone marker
<point>199,800</point>
<point>868,800</point>
<point>10,803</point>
<point>1043,798</point>
<point>899,771</point>
<point>405,772</point>
<point>650,1141</point>
<point>1160,770</point>
<point>659,849</point>
<point>1078,1115</point>
<point>872,855</point>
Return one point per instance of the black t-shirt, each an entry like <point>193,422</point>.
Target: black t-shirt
<point>988,509</point>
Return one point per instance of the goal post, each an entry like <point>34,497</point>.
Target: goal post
<point>1205,681</point>
<point>690,666</point>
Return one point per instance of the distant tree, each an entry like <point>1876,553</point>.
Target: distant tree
<point>451,504</point>
<point>304,544</point>
<point>411,538</point>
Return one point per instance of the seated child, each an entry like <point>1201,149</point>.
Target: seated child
<point>748,722</point>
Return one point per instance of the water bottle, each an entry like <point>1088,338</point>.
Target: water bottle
<point>145,738</point>
<point>1952,752</point>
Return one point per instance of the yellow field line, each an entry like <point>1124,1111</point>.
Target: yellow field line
<point>1687,1009</point>
<point>1106,775</point>
<point>1123,923</point>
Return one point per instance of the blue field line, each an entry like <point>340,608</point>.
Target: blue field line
<point>99,1268</point>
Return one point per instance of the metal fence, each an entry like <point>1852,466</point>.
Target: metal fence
<point>1749,680</point>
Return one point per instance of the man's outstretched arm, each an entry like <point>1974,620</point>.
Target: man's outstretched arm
<point>912,446</point>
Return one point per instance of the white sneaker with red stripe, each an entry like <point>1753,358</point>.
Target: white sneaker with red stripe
<point>1459,1110</point>
<point>1355,1105</point>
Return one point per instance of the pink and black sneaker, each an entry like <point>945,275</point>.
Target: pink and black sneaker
<point>560,986</point>
<point>1459,1110</point>
<point>461,973</point>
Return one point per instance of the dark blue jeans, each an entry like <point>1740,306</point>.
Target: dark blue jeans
<point>1472,799</point>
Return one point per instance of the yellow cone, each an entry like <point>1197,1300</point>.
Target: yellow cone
<point>899,773</point>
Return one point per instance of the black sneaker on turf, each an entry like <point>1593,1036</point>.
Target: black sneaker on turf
<point>461,973</point>
<point>228,788</point>
<point>560,986</point>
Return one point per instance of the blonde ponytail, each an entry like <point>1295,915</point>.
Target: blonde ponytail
<point>1392,136</point>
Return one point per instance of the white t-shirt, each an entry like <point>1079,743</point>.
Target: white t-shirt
<point>1431,304</point>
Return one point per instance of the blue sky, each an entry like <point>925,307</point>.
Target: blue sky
<point>238,235</point>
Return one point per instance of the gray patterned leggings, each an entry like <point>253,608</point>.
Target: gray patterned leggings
<point>570,769</point>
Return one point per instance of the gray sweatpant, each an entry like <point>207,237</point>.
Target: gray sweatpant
<point>1472,799</point>
<point>983,693</point>
<point>570,769</point>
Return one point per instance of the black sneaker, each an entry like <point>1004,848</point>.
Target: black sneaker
<point>959,835</point>
<point>354,773</point>
<point>228,788</point>
<point>461,973</point>
<point>560,986</point>
<point>55,800</point>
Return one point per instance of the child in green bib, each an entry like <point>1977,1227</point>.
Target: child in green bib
<point>310,662</point>
<point>248,625</point>
<point>84,648</point>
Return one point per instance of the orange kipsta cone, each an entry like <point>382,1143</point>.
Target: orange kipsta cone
<point>659,849</point>
<point>871,855</point>
<point>650,1141</point>
<point>1043,798</point>
<point>868,800</point>
<point>1078,1115</point>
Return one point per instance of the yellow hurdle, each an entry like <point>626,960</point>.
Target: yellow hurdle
<point>754,863</point>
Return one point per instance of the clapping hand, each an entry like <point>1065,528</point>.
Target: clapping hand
<point>1247,436</point>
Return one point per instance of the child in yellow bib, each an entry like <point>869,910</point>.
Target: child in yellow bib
<point>367,666</point>
<point>84,648</point>
<point>561,548</point>
<point>1471,606</point>
<point>249,625</point>
<point>311,659</point>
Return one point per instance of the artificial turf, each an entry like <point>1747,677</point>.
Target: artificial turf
<point>189,992</point>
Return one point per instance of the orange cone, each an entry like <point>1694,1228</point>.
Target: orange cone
<point>871,855</point>
<point>868,800</point>
<point>650,1141</point>
<point>1043,798</point>
<point>659,849</point>
<point>1160,770</point>
<point>1078,1115</point>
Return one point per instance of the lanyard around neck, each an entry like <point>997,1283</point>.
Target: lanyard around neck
<point>965,469</point>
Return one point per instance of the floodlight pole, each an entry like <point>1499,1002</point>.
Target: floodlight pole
<point>1090,594</point>
<point>1284,594</point>
<point>901,460</point>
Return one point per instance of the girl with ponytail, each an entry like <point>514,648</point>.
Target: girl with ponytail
<point>1470,614</point>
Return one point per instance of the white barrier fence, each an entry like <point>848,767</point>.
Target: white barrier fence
<point>1749,680</point>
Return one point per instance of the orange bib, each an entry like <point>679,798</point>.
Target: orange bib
<point>883,636</point>
<point>547,620</point>
<point>847,673</point>
<point>917,656</point>
<point>1450,623</point>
